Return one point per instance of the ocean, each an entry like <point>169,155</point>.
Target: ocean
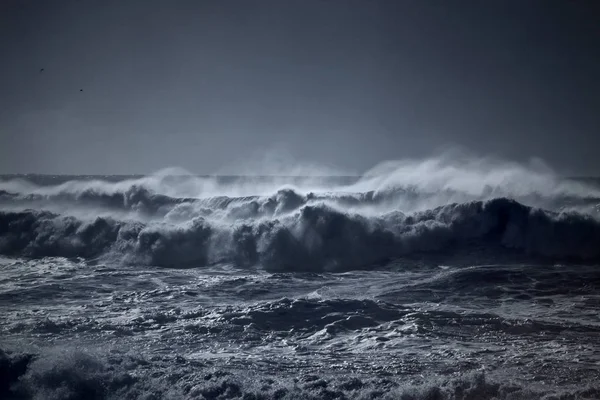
<point>412,282</point>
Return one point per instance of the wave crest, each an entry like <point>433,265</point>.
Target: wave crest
<point>296,236</point>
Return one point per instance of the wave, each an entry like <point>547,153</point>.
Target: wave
<point>472,209</point>
<point>286,232</point>
<point>151,198</point>
<point>130,198</point>
<point>412,185</point>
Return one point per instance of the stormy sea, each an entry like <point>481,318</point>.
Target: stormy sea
<point>416,280</point>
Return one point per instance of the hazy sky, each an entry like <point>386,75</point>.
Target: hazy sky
<point>205,84</point>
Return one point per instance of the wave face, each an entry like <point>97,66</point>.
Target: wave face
<point>316,224</point>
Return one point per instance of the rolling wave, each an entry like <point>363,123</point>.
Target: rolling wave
<point>470,209</point>
<point>289,231</point>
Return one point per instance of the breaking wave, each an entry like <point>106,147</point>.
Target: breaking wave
<point>474,211</point>
<point>289,234</point>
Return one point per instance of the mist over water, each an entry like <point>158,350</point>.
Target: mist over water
<point>453,277</point>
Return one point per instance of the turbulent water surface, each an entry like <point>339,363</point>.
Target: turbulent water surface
<point>470,283</point>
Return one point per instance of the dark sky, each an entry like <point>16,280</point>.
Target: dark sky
<point>205,84</point>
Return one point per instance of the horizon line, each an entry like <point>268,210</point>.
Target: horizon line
<point>35,174</point>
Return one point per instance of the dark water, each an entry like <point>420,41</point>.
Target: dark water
<point>183,287</point>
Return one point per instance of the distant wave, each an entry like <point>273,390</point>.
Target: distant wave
<point>148,201</point>
<point>450,177</point>
<point>134,198</point>
<point>285,233</point>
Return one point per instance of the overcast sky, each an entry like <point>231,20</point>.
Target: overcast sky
<point>134,86</point>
